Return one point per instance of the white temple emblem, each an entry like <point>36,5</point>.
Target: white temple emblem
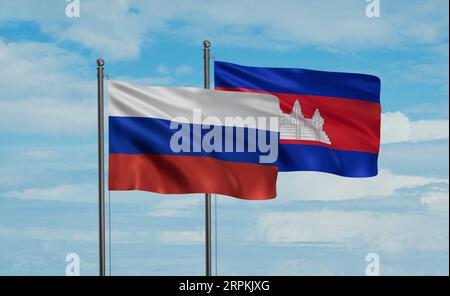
<point>295,126</point>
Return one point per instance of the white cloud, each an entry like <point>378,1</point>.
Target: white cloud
<point>432,73</point>
<point>38,154</point>
<point>48,116</point>
<point>65,192</point>
<point>320,186</point>
<point>342,25</point>
<point>427,130</point>
<point>42,70</point>
<point>13,176</point>
<point>42,90</point>
<point>176,206</point>
<point>396,127</point>
<point>437,201</point>
<point>108,27</point>
<point>183,70</point>
<point>181,237</point>
<point>162,69</point>
<point>430,109</point>
<point>383,232</point>
<point>159,81</point>
<point>166,76</point>
<point>129,25</point>
<point>46,234</point>
<point>186,237</point>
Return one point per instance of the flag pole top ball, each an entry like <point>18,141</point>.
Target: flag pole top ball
<point>206,43</point>
<point>100,62</point>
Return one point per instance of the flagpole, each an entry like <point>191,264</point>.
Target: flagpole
<point>206,61</point>
<point>101,167</point>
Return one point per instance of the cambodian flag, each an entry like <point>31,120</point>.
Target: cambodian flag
<point>190,140</point>
<point>330,121</point>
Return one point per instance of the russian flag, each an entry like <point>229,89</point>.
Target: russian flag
<point>330,122</point>
<point>191,140</point>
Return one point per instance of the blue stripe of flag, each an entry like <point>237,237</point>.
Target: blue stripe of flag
<point>300,157</point>
<point>298,81</point>
<point>142,135</point>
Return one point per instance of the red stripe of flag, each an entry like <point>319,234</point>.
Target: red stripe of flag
<point>199,174</point>
<point>350,124</point>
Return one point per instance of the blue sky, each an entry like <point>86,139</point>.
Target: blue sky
<point>319,224</point>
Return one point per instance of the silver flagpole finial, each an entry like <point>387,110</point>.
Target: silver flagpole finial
<point>100,62</point>
<point>206,43</point>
